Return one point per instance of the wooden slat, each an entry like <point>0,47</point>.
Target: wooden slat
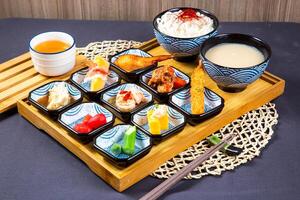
<point>13,71</point>
<point>145,10</point>
<point>19,77</point>
<point>13,62</point>
<point>260,92</point>
<point>11,82</point>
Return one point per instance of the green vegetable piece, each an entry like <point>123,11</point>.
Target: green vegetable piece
<point>227,148</point>
<point>116,148</point>
<point>214,140</point>
<point>129,140</point>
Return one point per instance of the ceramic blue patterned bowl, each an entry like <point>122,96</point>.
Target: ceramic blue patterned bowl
<point>177,122</point>
<point>104,142</point>
<point>40,92</point>
<point>113,79</point>
<point>108,98</point>
<point>213,105</point>
<point>163,97</point>
<point>133,76</point>
<point>75,115</point>
<point>235,79</point>
<point>184,49</point>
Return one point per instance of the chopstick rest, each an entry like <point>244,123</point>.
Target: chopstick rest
<point>228,149</point>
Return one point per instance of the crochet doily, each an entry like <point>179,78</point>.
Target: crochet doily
<point>254,129</point>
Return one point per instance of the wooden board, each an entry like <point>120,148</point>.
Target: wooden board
<point>260,92</point>
<point>18,77</point>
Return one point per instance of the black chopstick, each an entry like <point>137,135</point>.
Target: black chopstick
<point>167,184</point>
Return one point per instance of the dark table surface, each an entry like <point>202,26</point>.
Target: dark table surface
<point>35,166</point>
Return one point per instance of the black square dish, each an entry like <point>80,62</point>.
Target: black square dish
<point>213,105</point>
<point>108,99</point>
<point>104,142</point>
<point>35,96</point>
<point>176,122</point>
<point>69,118</point>
<point>132,77</point>
<point>77,77</point>
<point>163,97</point>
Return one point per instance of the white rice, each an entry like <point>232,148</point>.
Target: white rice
<point>171,25</point>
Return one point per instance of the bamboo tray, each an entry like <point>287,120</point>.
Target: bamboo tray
<point>265,89</point>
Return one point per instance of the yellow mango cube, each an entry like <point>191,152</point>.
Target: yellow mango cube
<point>97,84</point>
<point>164,122</point>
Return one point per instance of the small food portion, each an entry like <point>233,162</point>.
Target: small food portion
<point>97,73</point>
<point>129,99</point>
<point>51,46</point>
<point>130,62</point>
<point>116,149</point>
<point>197,90</point>
<point>128,145</point>
<point>129,140</point>
<point>235,55</point>
<point>185,23</point>
<point>164,79</point>
<point>158,119</point>
<point>57,97</point>
<point>90,123</point>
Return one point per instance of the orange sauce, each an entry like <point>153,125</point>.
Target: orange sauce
<point>51,46</point>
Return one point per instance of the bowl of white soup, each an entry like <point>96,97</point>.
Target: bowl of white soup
<point>181,31</point>
<point>235,60</point>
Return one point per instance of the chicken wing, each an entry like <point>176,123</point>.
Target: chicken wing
<point>131,62</point>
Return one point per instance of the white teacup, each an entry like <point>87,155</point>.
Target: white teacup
<point>53,64</point>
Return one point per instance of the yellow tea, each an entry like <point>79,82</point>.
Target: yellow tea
<point>51,46</point>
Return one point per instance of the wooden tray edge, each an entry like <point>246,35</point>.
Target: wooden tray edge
<point>35,118</point>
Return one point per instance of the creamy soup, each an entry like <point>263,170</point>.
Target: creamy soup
<point>234,55</point>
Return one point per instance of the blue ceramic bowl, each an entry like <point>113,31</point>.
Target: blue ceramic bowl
<point>213,105</point>
<point>163,97</point>
<point>184,48</point>
<point>43,90</point>
<point>104,142</point>
<point>177,122</point>
<point>112,93</point>
<point>113,79</point>
<point>235,79</point>
<point>76,114</point>
<point>133,76</point>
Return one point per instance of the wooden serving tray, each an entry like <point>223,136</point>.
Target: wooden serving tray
<point>18,77</point>
<point>263,90</point>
